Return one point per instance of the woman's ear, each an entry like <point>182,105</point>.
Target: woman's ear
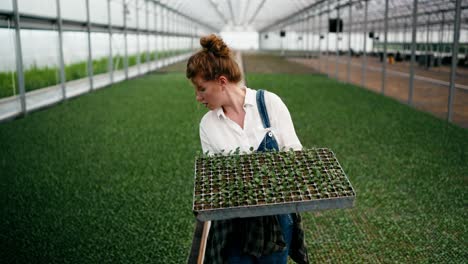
<point>222,80</point>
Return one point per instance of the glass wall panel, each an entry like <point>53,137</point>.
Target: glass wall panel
<point>159,46</point>
<point>40,67</point>
<point>100,50</point>
<point>6,5</point>
<point>40,58</point>
<point>132,49</point>
<point>118,50</point>
<point>131,15</point>
<point>10,103</point>
<point>8,80</point>
<point>151,16</point>
<point>152,47</point>
<point>47,8</point>
<point>159,19</point>
<point>116,12</point>
<point>73,9</point>
<point>142,48</point>
<point>98,11</point>
<point>75,53</point>
<point>141,13</point>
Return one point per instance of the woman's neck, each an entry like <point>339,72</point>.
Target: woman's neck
<point>235,97</point>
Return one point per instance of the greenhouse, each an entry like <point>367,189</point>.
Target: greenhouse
<point>100,155</point>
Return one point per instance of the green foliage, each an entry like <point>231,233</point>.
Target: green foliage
<point>271,175</point>
<point>40,77</point>
<point>8,85</point>
<point>36,77</point>
<point>90,181</point>
<point>106,177</point>
<point>407,167</point>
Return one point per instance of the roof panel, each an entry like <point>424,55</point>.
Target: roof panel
<point>238,14</point>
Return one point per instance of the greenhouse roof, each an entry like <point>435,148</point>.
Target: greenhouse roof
<point>263,15</point>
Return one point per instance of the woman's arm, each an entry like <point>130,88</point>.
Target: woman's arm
<point>205,142</point>
<point>282,123</point>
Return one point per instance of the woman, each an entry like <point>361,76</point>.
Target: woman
<point>243,118</point>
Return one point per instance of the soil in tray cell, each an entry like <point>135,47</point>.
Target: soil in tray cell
<point>269,178</point>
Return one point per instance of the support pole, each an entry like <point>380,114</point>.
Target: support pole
<point>441,40</point>
<point>313,29</point>
<point>350,21</point>
<point>364,57</point>
<point>156,17</point>
<point>405,30</point>
<point>90,54</point>
<point>328,38</point>
<point>312,32</point>
<point>19,59</point>
<point>337,36</point>
<point>413,51</point>
<point>61,59</point>
<point>164,36</point>
<point>384,61</point>
<point>427,43</point>
<point>320,42</point>
<point>148,63</point>
<point>137,36</point>
<point>453,70</point>
<point>125,10</point>
<point>110,65</point>
<point>306,36</point>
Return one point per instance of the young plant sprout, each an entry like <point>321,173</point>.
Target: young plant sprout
<point>299,179</point>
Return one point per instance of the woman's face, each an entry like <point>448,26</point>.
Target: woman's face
<point>208,92</point>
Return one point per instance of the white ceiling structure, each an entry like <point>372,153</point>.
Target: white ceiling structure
<point>260,15</point>
<point>243,15</point>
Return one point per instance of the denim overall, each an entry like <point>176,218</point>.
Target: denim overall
<point>286,222</point>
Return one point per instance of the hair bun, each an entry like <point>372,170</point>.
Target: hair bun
<point>215,45</point>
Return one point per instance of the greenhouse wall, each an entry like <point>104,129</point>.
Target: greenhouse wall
<point>98,42</point>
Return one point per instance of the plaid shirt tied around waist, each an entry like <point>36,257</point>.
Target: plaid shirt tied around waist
<point>259,236</point>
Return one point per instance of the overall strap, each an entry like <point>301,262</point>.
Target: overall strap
<point>262,108</point>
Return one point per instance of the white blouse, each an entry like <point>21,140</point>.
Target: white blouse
<point>219,134</point>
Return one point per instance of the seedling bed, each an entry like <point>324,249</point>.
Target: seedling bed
<point>269,183</point>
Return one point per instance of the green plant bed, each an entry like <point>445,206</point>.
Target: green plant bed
<point>269,183</point>
<point>91,181</point>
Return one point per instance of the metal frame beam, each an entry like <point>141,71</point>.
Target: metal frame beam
<point>188,17</point>
<point>90,54</point>
<point>110,66</point>
<point>61,58</point>
<point>413,51</point>
<point>221,15</point>
<point>259,7</point>
<point>19,58</point>
<point>453,70</point>
<point>47,23</point>
<point>295,14</point>
<point>232,12</point>
<point>384,59</point>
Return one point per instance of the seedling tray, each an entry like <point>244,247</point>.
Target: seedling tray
<point>269,183</point>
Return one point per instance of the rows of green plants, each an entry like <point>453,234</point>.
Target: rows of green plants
<point>90,181</point>
<point>407,167</point>
<point>241,179</point>
<point>39,77</point>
